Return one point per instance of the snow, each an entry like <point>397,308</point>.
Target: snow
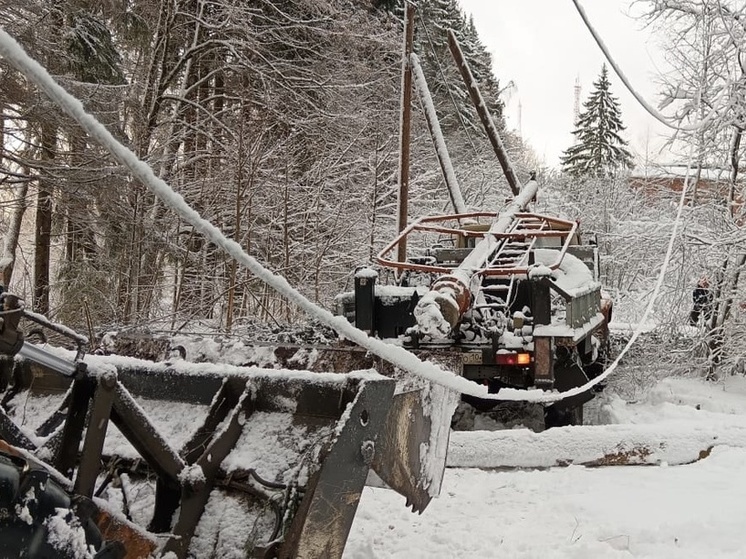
<point>66,535</point>
<point>366,273</point>
<point>276,448</point>
<point>192,476</point>
<point>539,271</point>
<point>176,423</point>
<point>392,294</point>
<point>23,514</point>
<point>225,528</point>
<point>572,275</point>
<point>69,332</point>
<point>12,52</point>
<point>432,309</point>
<point>437,135</point>
<point>565,331</point>
<point>511,340</point>
<point>685,512</point>
<point>692,510</point>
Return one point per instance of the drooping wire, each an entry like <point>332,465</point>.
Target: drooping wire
<point>640,99</point>
<point>669,250</point>
<point>658,284</point>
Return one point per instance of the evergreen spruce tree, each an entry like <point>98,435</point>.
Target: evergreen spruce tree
<point>599,149</point>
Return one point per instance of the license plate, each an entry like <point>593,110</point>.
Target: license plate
<point>472,358</point>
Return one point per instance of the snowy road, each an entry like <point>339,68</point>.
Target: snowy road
<point>694,510</point>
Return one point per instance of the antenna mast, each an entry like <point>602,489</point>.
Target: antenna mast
<point>520,118</point>
<point>577,99</point>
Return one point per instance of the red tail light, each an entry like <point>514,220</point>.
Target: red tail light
<point>512,358</point>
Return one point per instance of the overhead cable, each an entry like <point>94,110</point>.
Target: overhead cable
<point>640,99</point>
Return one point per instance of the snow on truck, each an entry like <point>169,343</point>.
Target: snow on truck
<point>114,457</point>
<point>514,294</point>
<point>520,304</point>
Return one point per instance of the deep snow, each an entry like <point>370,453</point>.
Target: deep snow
<point>691,510</point>
<point>694,510</point>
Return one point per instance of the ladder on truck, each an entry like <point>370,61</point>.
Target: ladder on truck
<point>513,251</point>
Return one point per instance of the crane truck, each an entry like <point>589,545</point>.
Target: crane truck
<point>127,458</point>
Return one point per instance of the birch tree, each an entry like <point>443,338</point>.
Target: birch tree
<point>707,90</point>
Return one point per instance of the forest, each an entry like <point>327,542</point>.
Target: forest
<point>279,121</point>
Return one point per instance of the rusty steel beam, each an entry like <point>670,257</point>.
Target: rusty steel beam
<point>98,422</point>
<point>484,114</point>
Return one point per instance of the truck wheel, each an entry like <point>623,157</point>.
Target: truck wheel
<point>40,520</point>
<point>563,417</point>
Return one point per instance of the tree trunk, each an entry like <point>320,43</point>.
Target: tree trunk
<point>43,226</point>
<point>734,149</point>
<point>13,234</point>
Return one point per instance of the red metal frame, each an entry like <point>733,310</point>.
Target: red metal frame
<point>557,228</point>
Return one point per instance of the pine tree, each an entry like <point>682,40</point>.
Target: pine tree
<point>599,150</point>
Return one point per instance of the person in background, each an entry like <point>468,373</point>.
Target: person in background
<point>702,299</point>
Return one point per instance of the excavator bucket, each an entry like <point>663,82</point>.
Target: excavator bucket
<point>414,440</point>
<point>279,446</point>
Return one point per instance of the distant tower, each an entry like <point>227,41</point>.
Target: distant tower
<point>577,98</point>
<point>520,118</point>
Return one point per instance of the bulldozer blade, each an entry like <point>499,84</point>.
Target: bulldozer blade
<point>298,443</point>
<point>400,432</point>
<point>398,462</point>
<point>413,445</point>
<point>414,438</point>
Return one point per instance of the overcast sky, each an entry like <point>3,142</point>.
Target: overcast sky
<point>542,46</point>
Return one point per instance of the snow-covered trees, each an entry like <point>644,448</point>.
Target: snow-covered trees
<point>706,92</point>
<point>478,171</point>
<point>599,149</point>
<point>265,127</point>
<point>276,120</point>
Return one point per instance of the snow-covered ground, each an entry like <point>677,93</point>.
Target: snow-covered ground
<point>692,510</point>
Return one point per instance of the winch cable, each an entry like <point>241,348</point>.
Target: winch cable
<point>140,170</point>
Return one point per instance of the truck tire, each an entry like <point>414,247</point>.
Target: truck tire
<point>40,520</point>
<point>562,417</point>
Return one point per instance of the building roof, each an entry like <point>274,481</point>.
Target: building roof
<point>678,171</point>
